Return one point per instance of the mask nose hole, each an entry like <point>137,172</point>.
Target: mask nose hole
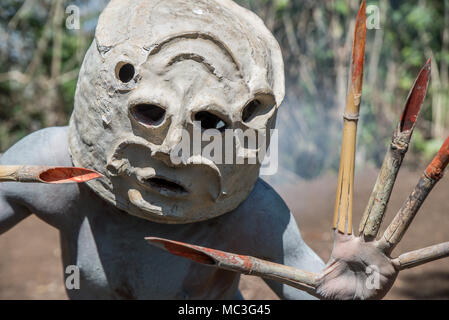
<point>148,114</point>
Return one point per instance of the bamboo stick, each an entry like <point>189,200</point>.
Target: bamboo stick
<point>434,172</point>
<point>45,174</point>
<point>377,204</point>
<point>422,256</point>
<point>297,278</point>
<point>8,173</point>
<point>343,204</point>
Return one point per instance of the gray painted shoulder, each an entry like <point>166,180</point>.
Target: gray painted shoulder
<point>44,147</point>
<point>264,204</point>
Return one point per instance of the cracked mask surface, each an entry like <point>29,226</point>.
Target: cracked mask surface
<point>153,69</point>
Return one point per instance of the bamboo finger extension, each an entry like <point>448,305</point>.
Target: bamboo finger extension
<point>343,203</point>
<point>377,204</point>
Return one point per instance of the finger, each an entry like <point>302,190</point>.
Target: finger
<point>45,174</point>
<point>434,172</point>
<point>422,256</point>
<point>377,204</point>
<point>343,203</point>
<point>297,278</point>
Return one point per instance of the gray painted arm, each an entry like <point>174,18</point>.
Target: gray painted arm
<point>276,237</point>
<point>298,254</point>
<point>11,213</point>
<point>17,200</point>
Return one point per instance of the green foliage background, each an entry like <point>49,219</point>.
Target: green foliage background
<point>40,58</point>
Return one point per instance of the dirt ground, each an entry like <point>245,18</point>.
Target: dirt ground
<point>30,266</point>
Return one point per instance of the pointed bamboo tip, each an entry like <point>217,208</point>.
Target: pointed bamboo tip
<point>436,168</point>
<point>157,242</point>
<point>362,10</point>
<point>181,249</point>
<point>416,99</point>
<point>361,15</point>
<point>358,50</point>
<point>59,175</point>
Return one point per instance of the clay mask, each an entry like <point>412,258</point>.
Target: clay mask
<point>157,70</point>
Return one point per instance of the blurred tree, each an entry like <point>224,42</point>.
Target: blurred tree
<point>39,64</point>
<point>316,38</point>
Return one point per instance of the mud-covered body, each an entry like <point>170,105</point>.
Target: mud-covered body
<point>108,245</point>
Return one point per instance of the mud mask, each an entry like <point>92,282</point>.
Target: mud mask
<point>158,70</point>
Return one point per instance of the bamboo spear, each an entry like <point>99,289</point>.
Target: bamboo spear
<point>409,209</point>
<point>303,280</point>
<point>45,174</point>
<point>377,204</point>
<point>343,204</point>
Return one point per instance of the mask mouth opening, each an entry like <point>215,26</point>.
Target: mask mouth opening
<point>164,185</point>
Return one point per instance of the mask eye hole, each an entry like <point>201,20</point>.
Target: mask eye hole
<point>125,72</point>
<point>210,121</point>
<point>148,114</point>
